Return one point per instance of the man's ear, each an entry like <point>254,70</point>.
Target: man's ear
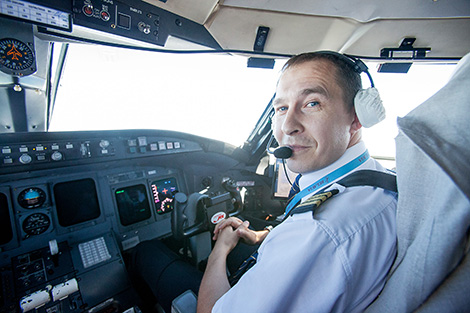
<point>355,125</point>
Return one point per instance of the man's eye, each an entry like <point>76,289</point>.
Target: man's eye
<point>281,109</point>
<point>312,103</point>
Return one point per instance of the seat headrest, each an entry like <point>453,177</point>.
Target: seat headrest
<point>439,126</point>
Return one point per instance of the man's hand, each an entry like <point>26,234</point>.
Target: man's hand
<point>215,282</point>
<point>249,236</point>
<point>227,239</point>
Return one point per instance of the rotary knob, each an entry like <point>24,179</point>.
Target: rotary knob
<point>88,9</point>
<point>25,159</point>
<point>104,144</point>
<point>56,156</point>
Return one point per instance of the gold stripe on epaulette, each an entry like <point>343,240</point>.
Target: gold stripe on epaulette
<point>318,199</point>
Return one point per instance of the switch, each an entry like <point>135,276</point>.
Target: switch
<point>6,150</point>
<point>142,141</point>
<point>85,150</point>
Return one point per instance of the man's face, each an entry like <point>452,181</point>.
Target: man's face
<point>311,117</point>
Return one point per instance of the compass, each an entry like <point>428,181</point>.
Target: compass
<point>16,57</point>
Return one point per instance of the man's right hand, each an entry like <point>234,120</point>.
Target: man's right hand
<point>249,236</point>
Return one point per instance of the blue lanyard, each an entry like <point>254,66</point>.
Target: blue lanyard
<point>327,179</point>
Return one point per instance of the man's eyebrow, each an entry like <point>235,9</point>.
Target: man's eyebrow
<point>277,101</point>
<point>308,91</point>
<point>303,93</point>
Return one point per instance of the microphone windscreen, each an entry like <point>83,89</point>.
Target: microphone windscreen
<point>283,152</point>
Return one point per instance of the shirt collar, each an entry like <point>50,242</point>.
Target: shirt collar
<point>350,154</point>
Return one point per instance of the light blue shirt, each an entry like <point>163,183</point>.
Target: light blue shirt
<point>334,262</point>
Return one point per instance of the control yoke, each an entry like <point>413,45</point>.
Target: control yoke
<point>199,213</point>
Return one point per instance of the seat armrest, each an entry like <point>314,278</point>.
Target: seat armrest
<point>185,303</point>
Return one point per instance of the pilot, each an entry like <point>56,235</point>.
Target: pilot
<point>336,244</point>
<point>336,260</point>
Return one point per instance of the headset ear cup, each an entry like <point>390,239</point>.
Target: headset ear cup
<point>369,107</point>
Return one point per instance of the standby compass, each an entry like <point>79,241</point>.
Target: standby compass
<point>16,57</point>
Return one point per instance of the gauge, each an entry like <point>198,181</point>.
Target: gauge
<point>16,56</point>
<point>32,198</point>
<point>36,224</point>
<point>167,205</point>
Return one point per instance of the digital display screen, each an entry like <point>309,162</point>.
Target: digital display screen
<point>76,201</point>
<point>38,14</point>
<point>6,232</point>
<point>164,194</point>
<point>133,204</point>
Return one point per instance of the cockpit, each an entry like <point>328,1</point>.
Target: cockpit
<point>111,112</point>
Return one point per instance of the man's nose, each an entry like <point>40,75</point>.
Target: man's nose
<point>292,123</point>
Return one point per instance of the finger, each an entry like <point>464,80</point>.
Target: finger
<point>243,228</point>
<point>232,221</point>
<point>246,234</point>
<point>219,227</point>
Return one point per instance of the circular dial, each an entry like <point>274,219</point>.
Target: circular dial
<point>36,224</point>
<point>32,198</point>
<point>15,55</point>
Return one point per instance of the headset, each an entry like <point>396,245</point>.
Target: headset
<point>367,102</point>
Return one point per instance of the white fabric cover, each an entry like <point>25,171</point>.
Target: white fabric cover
<point>369,107</point>
<point>432,269</point>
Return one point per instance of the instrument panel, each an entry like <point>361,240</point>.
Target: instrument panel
<point>71,220</point>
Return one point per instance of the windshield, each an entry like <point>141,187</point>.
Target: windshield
<point>401,93</point>
<point>210,95</point>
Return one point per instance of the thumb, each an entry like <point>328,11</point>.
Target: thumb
<point>245,224</point>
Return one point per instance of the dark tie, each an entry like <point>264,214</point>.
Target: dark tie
<point>295,188</point>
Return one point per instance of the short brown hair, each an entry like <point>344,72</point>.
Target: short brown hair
<point>347,76</point>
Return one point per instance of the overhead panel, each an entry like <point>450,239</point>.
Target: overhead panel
<point>140,21</point>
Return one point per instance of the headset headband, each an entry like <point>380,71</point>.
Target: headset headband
<point>356,64</point>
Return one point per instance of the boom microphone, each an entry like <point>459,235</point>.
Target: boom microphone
<point>283,153</point>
